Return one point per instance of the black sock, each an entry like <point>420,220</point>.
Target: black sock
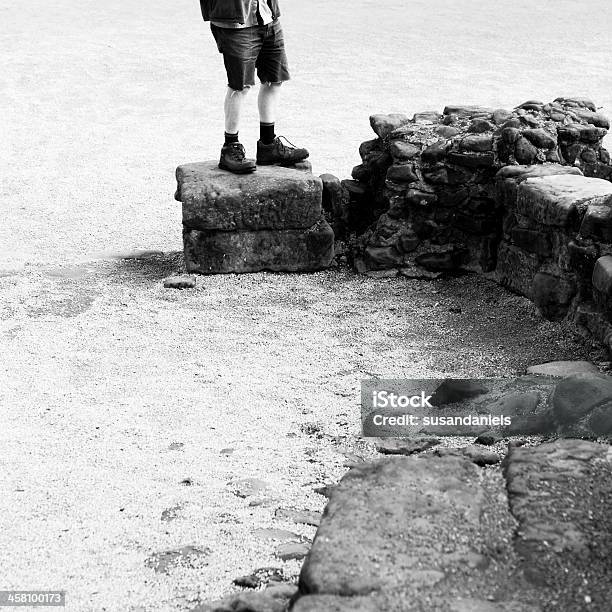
<point>266,133</point>
<point>229,138</point>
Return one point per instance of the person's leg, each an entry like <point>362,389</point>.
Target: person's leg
<point>267,102</point>
<point>240,49</point>
<point>272,70</point>
<point>233,111</point>
<point>233,157</point>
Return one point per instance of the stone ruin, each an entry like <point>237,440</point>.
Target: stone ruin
<point>523,195</point>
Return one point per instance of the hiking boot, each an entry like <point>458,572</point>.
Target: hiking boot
<point>279,152</point>
<point>233,159</point>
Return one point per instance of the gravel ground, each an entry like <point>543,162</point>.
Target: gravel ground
<point>118,396</point>
<point>124,401</point>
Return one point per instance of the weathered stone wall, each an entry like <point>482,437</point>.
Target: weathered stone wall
<point>522,194</point>
<point>555,226</point>
<point>269,220</point>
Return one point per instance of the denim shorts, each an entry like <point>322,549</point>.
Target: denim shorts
<point>245,49</point>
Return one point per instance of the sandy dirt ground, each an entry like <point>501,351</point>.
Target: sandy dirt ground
<point>128,411</point>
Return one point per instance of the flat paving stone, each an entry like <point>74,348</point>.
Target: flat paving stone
<point>563,368</point>
<point>561,494</point>
<point>412,533</point>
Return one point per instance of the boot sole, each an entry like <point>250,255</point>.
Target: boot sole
<point>244,171</point>
<point>280,163</point>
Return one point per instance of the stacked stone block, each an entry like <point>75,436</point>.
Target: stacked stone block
<point>425,191</point>
<point>551,234</point>
<point>269,220</point>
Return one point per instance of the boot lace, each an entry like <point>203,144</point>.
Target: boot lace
<point>236,151</point>
<point>285,144</point>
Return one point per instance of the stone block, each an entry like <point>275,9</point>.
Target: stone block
<point>539,137</point>
<point>446,131</point>
<point>272,198</point>
<point>558,537</point>
<point>435,152</point>
<point>568,133</point>
<point>509,177</point>
<point>289,250</point>
<point>600,421</point>
<point>383,258</point>
<point>382,511</point>
<point>575,102</point>
<point>578,395</point>
<point>591,134</point>
<point>559,200</point>
<point>501,115</point>
<point>480,126</point>
<point>427,117</point>
<point>333,195</point>
<point>602,275</point>
<point>462,110</point>
<point>478,143</point>
<point>524,151</point>
<point>532,240</point>
<point>553,294</point>
<point>335,204</point>
<point>398,233</point>
<point>602,284</point>
<point>383,125</point>
<point>582,258</point>
<point>597,221</point>
<point>599,170</point>
<point>532,105</point>
<point>402,173</point>
<point>510,135</point>
<point>368,147</point>
<point>571,152</point>
<point>592,319</point>
<point>596,119</point>
<point>516,269</point>
<point>401,150</point>
<point>521,173</point>
<point>415,197</point>
<point>362,173</point>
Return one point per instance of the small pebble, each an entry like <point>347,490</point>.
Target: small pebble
<point>303,517</point>
<point>184,281</point>
<point>290,552</point>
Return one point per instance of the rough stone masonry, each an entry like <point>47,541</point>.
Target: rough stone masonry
<point>269,220</point>
<point>524,195</point>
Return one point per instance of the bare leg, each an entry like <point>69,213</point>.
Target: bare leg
<point>233,109</point>
<point>274,151</point>
<point>233,156</point>
<point>267,101</point>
